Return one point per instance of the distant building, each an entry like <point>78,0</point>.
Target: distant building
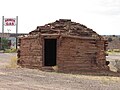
<point>11,37</point>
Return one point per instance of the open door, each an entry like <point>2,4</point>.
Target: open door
<point>50,52</point>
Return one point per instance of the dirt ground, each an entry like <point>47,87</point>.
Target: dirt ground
<point>114,62</point>
<point>31,79</point>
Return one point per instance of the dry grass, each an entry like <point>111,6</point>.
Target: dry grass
<point>13,63</point>
<point>55,68</point>
<point>113,52</point>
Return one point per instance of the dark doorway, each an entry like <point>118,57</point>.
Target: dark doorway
<point>50,52</point>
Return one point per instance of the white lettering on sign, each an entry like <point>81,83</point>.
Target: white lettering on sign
<point>10,22</point>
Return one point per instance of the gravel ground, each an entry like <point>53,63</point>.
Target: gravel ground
<point>32,79</point>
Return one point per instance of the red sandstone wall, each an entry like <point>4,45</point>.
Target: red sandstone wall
<point>73,54</point>
<point>101,55</point>
<point>76,55</point>
<point>30,52</point>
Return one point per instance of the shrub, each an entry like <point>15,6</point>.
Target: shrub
<point>109,39</point>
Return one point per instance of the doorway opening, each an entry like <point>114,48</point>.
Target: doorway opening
<point>50,52</point>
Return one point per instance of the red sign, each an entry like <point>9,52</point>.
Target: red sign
<point>10,22</point>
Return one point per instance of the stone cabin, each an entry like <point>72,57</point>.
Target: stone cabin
<point>63,46</point>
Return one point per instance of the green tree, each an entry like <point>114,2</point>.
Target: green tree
<point>5,42</point>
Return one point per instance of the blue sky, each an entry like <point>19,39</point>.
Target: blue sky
<point>103,16</point>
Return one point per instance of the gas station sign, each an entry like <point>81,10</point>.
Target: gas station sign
<point>9,21</point>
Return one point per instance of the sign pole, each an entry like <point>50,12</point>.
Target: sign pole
<point>16,31</point>
<point>2,32</point>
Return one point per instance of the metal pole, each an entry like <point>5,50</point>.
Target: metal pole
<point>16,31</point>
<point>2,32</point>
